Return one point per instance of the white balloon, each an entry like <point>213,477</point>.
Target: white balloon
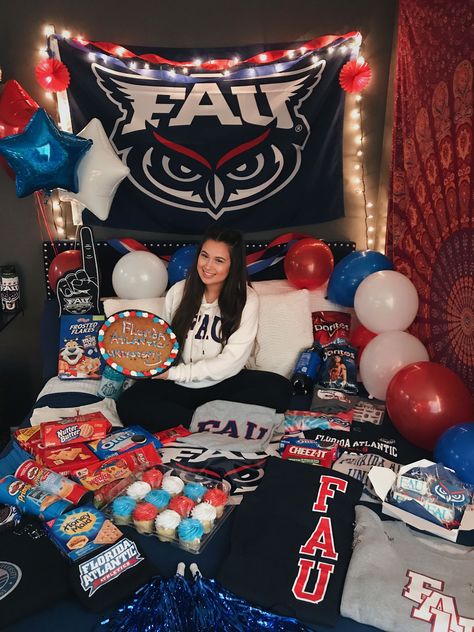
<point>386,301</point>
<point>384,356</point>
<point>139,274</point>
<point>99,173</point>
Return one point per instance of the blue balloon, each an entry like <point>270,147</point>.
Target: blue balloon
<point>349,273</point>
<point>180,263</point>
<point>455,449</point>
<point>43,157</point>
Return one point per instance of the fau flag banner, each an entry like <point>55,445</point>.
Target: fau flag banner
<point>254,144</point>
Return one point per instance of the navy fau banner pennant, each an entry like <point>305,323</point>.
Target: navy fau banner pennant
<point>253,144</point>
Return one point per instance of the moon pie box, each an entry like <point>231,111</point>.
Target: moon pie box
<point>106,565</point>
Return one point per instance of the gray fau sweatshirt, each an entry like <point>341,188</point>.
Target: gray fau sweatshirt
<point>403,581</point>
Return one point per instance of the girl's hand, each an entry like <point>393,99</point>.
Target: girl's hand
<point>161,376</point>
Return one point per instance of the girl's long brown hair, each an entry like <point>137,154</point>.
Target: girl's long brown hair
<point>233,294</point>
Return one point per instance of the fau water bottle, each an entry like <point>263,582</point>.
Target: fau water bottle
<point>306,372</point>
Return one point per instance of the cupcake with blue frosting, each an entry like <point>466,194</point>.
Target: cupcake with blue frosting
<point>190,532</point>
<point>122,508</point>
<point>195,491</point>
<point>158,497</point>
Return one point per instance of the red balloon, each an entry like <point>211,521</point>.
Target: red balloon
<point>360,338</point>
<point>16,109</point>
<point>63,263</point>
<point>426,398</point>
<point>309,263</point>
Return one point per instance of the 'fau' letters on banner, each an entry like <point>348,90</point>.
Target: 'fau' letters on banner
<point>255,146</point>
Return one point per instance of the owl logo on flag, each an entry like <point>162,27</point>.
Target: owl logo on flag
<point>212,144</point>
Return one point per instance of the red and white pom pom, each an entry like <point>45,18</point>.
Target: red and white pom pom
<point>355,75</point>
<point>52,75</point>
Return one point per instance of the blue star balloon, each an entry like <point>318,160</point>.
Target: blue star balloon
<point>43,157</point>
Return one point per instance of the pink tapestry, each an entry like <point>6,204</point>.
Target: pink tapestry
<point>430,231</point>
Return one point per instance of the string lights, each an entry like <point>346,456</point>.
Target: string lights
<point>359,180</point>
<point>107,52</point>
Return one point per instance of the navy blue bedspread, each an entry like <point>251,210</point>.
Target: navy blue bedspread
<point>164,557</point>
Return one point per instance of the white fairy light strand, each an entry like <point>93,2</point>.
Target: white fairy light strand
<point>356,114</point>
<point>59,211</point>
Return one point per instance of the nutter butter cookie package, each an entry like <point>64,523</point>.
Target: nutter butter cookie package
<point>79,429</point>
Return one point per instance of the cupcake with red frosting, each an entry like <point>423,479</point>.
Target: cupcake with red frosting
<point>144,516</point>
<point>182,505</point>
<point>153,477</point>
<point>217,498</point>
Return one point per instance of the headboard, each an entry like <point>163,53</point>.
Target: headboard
<point>107,258</point>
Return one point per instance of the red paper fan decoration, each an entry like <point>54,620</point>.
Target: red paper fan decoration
<point>52,75</point>
<point>355,75</point>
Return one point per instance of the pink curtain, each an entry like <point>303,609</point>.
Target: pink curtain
<point>430,231</point>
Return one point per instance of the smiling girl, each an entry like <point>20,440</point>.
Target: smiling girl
<point>214,314</point>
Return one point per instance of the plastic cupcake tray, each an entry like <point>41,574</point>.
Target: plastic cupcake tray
<point>182,508</point>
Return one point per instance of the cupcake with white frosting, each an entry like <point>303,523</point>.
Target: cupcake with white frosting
<point>172,484</point>
<point>206,514</point>
<point>138,490</point>
<point>166,524</point>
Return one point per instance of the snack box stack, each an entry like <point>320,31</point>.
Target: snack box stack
<point>62,445</point>
<point>84,449</point>
<point>178,507</point>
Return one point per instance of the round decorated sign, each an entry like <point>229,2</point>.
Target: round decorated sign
<point>137,344</point>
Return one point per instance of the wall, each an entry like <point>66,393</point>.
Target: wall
<point>184,24</point>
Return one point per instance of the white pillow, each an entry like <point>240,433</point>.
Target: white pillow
<point>284,330</point>
<point>317,298</point>
<point>153,305</point>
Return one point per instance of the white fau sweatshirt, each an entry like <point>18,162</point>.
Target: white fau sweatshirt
<point>204,362</point>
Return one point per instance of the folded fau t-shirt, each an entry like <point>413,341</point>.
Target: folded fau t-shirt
<point>223,425</point>
<point>291,541</point>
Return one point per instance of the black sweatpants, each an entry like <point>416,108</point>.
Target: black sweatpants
<point>160,404</point>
